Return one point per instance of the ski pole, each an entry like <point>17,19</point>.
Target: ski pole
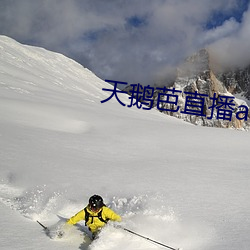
<point>45,228</point>
<point>146,238</point>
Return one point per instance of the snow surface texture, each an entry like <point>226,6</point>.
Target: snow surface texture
<point>179,184</point>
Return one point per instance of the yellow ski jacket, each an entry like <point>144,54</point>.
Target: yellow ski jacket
<point>94,223</point>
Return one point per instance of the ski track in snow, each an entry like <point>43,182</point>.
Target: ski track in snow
<point>42,116</point>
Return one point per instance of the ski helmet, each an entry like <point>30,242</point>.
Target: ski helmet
<point>95,202</point>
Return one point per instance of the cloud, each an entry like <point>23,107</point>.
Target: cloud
<point>228,28</point>
<point>134,41</point>
<point>232,50</point>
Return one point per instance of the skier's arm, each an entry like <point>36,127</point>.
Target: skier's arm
<point>110,214</point>
<point>77,217</point>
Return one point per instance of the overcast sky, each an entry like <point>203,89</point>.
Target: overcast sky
<point>131,40</point>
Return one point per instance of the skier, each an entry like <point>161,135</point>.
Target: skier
<point>95,214</point>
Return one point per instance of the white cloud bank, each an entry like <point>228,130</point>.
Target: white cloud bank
<point>133,41</point>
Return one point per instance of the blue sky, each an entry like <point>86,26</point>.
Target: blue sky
<point>139,41</point>
<point>218,17</point>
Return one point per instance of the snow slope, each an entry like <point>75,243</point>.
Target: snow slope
<point>176,183</point>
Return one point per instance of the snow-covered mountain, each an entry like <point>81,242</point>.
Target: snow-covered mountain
<point>237,81</point>
<point>198,73</point>
<point>182,185</point>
